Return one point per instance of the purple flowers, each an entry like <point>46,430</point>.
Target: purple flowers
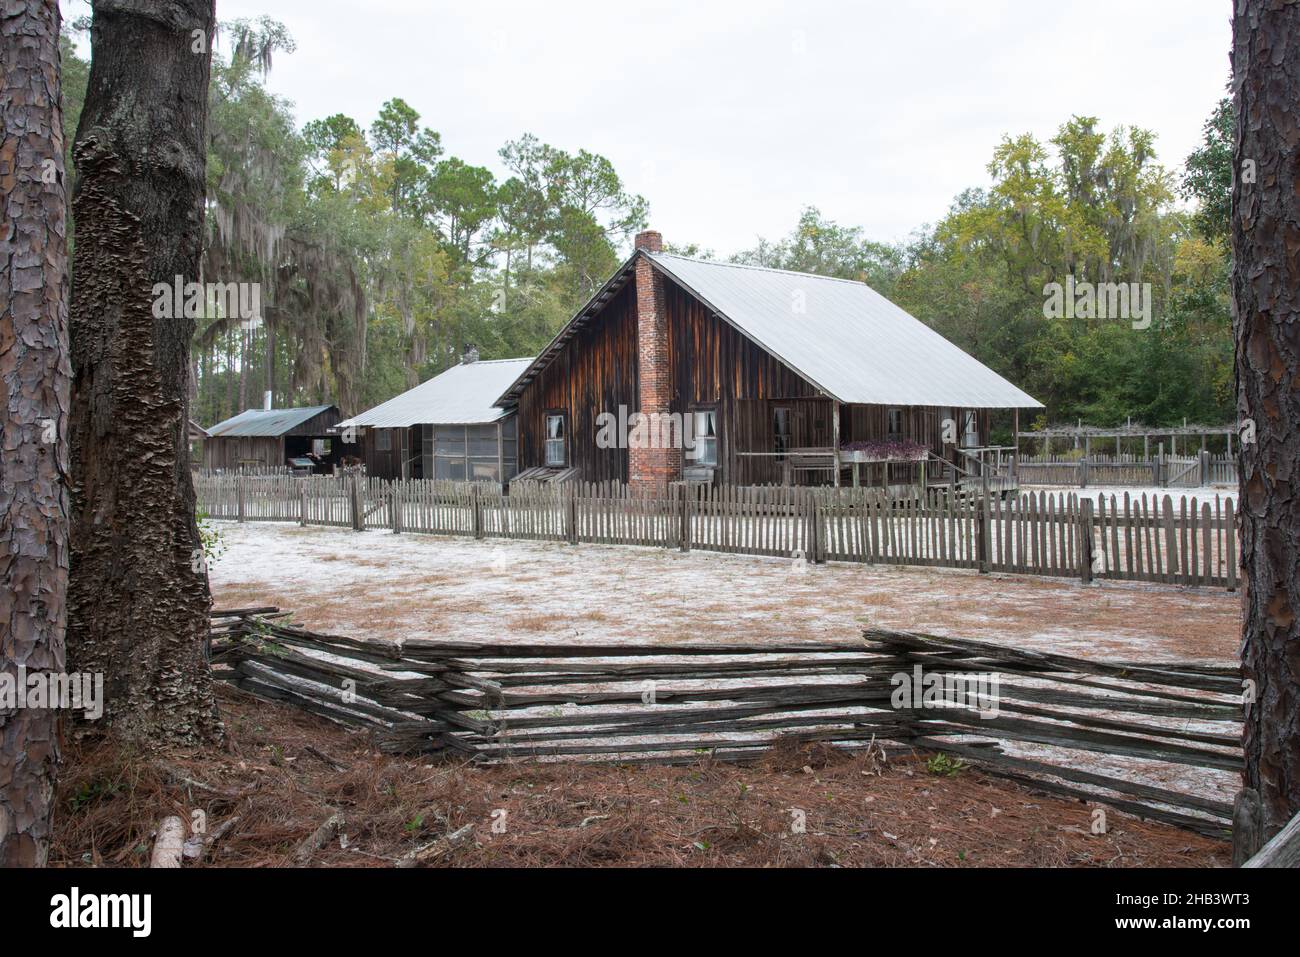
<point>897,450</point>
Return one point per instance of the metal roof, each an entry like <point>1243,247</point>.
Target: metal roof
<point>266,423</point>
<point>463,395</point>
<point>842,336</point>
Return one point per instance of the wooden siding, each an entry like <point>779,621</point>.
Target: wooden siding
<point>595,372</point>
<point>715,367</point>
<point>386,463</point>
<point>232,452</point>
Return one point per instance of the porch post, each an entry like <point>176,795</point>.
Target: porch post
<point>835,439</point>
<point>1015,455</point>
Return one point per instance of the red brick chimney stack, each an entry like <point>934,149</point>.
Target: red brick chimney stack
<point>652,469</point>
<point>650,241</point>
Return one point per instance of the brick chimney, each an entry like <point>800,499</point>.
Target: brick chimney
<point>650,241</point>
<point>652,469</point>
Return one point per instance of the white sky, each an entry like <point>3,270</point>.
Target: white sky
<point>730,116</point>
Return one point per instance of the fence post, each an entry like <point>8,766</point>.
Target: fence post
<point>1085,540</point>
<point>1205,467</point>
<point>477,509</point>
<point>1162,469</point>
<point>239,489</point>
<point>572,512</point>
<point>984,529</point>
<point>302,503</point>
<point>354,497</point>
<point>818,552</point>
<point>684,532</point>
<point>395,507</point>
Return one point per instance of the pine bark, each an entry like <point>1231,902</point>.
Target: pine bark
<point>34,382</point>
<point>139,599</point>
<point>1266,323</point>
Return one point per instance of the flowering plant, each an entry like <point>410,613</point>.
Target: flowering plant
<point>894,450</point>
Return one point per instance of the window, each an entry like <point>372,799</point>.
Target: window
<point>781,432</point>
<point>971,438</point>
<point>383,440</point>
<point>895,423</point>
<point>555,436</point>
<point>481,450</point>
<point>320,446</point>
<point>706,437</point>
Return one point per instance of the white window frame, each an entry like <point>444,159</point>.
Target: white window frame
<point>551,443</point>
<point>706,445</point>
<point>970,432</point>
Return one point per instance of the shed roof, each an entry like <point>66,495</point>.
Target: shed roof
<point>266,423</point>
<point>842,336</point>
<point>463,395</point>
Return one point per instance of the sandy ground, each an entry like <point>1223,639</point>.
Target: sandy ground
<point>378,584</point>
<point>381,584</point>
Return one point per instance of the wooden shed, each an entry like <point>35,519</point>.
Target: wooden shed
<point>274,438</point>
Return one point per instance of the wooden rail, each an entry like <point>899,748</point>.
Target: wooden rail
<point>1160,471</point>
<point>1118,538</point>
<point>1038,719</point>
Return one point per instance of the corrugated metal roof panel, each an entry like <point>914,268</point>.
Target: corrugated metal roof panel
<point>266,423</point>
<point>845,337</point>
<point>463,395</point>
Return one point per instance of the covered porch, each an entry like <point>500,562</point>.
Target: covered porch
<point>820,442</point>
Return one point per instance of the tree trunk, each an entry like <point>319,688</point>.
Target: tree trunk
<point>1266,291</point>
<point>138,600</point>
<point>35,378</point>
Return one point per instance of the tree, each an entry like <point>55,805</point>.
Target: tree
<point>138,600</point>
<point>33,422</point>
<point>825,248</point>
<point>1207,176</point>
<point>1266,291</point>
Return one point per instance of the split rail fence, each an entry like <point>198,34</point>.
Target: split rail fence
<point>1156,539</point>
<point>1055,722</point>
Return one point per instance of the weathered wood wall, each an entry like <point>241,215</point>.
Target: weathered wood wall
<point>231,452</point>
<point>596,372</point>
<point>385,463</point>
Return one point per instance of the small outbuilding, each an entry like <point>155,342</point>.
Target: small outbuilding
<point>445,428</point>
<point>301,439</point>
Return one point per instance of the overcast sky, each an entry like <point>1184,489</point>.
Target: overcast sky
<point>731,116</point>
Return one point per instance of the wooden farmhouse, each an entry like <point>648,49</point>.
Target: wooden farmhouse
<point>299,439</point>
<point>445,428</point>
<point>785,377</point>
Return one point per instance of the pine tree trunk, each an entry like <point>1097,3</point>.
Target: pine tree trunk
<point>138,599</point>
<point>34,382</point>
<point>1266,290</point>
